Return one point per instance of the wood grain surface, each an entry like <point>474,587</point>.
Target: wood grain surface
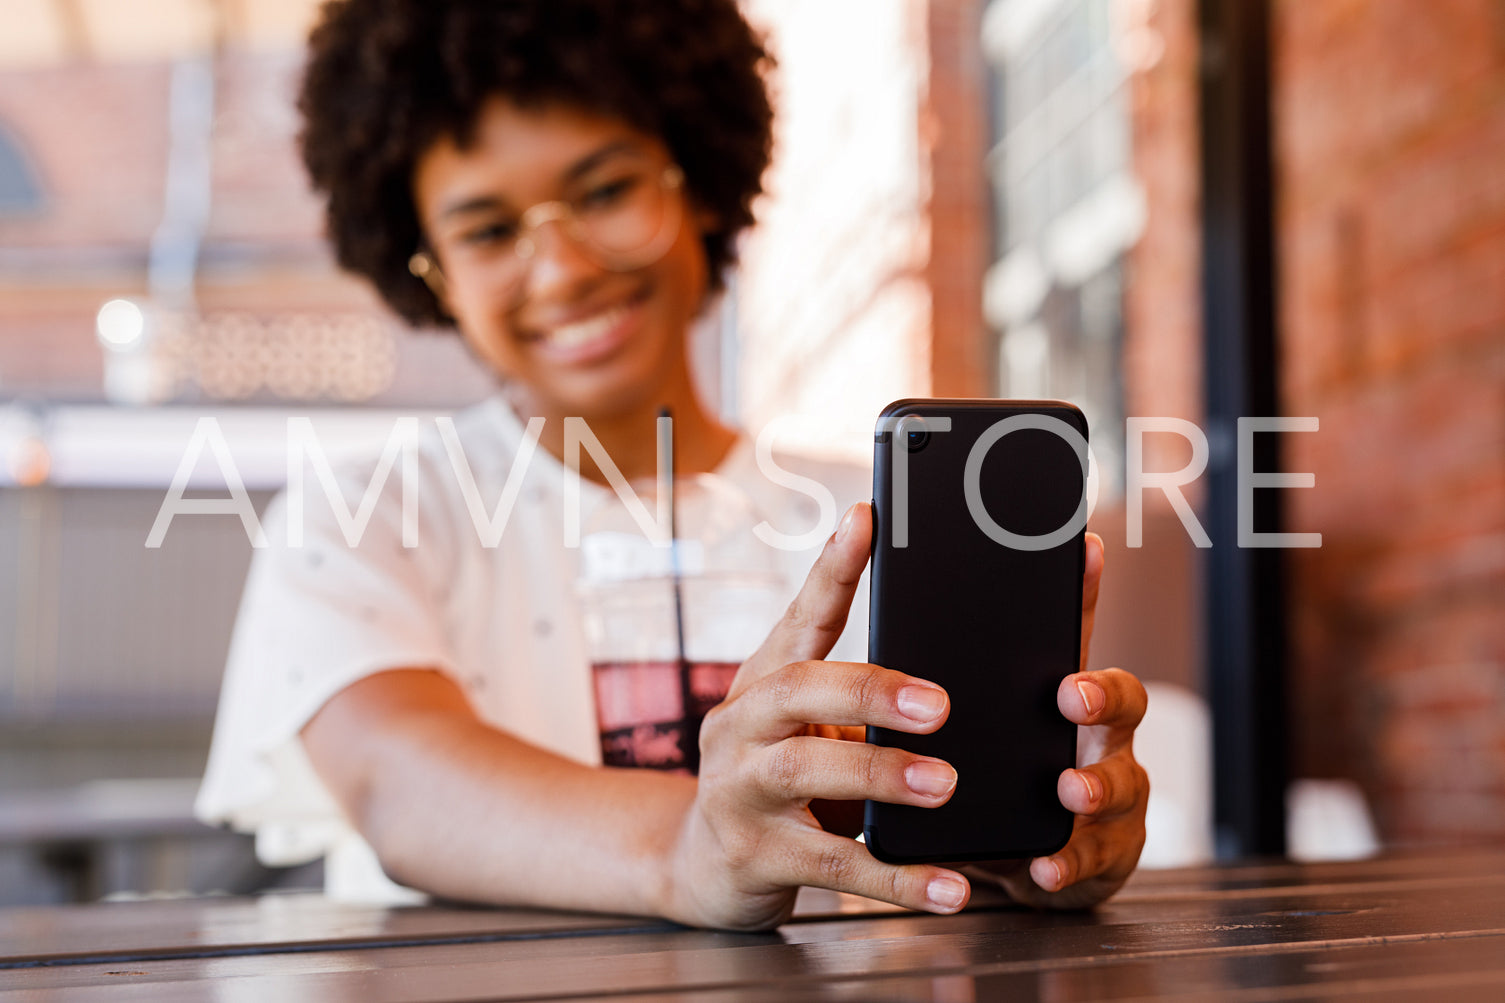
<point>1414,927</point>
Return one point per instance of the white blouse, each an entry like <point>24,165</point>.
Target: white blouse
<point>503,621</point>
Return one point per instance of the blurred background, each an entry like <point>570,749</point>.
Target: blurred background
<point>1153,208</point>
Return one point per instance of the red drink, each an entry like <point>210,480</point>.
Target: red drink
<point>640,707</point>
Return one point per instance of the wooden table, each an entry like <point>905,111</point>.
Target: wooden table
<point>1405,927</point>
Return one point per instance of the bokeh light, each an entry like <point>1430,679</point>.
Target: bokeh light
<point>120,324</point>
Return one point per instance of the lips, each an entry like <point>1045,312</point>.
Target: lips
<point>594,336</point>
<point>585,331</point>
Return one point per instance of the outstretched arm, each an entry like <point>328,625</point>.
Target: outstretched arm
<point>455,807</point>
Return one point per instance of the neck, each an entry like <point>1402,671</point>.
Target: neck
<point>629,437</point>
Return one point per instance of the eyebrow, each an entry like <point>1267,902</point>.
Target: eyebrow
<point>577,170</point>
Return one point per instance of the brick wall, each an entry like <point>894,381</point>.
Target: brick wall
<point>1390,134</point>
<point>1162,347</point>
<point>95,133</point>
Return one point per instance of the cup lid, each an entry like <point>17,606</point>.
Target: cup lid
<point>715,535</point>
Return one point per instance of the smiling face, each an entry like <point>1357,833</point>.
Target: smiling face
<point>587,330</point>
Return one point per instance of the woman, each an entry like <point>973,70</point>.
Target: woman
<point>563,182</point>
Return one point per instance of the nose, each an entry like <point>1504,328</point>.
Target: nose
<point>559,262</point>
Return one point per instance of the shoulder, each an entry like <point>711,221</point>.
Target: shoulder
<point>404,478</point>
<point>479,442</point>
<point>484,439</point>
<point>793,488</point>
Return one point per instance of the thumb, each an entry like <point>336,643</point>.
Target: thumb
<point>818,614</point>
<point>1092,577</point>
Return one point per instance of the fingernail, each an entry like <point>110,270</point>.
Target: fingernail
<point>921,703</point>
<point>846,524</point>
<point>1092,695</point>
<point>1093,785</point>
<point>1060,873</point>
<point>946,891</point>
<point>930,778</point>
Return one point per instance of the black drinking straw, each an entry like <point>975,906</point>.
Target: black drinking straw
<point>689,733</point>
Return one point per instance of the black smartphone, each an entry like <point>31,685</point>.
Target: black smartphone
<point>980,511</point>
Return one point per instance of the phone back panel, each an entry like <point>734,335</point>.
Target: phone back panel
<point>998,626</point>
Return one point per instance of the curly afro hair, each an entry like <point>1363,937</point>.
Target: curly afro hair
<point>387,78</point>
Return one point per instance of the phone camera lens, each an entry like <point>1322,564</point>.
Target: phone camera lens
<point>911,431</point>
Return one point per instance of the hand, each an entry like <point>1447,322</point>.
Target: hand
<point>749,840</point>
<point>1108,792</point>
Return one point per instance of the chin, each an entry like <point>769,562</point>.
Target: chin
<point>615,388</point>
<point>588,395</point>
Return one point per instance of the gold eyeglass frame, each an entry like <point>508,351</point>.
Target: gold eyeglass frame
<point>421,265</point>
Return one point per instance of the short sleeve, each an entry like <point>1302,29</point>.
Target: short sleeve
<point>346,602</point>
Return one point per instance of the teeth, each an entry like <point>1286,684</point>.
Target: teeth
<point>571,335</point>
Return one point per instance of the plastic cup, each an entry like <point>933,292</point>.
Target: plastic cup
<point>668,626</point>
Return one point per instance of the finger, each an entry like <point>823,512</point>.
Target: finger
<point>818,614</point>
<point>784,701</point>
<point>1107,849</point>
<point>1106,788</point>
<point>802,769</point>
<point>1110,697</point>
<point>845,865</point>
<point>1092,577</point>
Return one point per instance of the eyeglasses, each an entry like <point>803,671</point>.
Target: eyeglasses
<point>626,219</point>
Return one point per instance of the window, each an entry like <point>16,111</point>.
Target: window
<point>1067,208</point>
